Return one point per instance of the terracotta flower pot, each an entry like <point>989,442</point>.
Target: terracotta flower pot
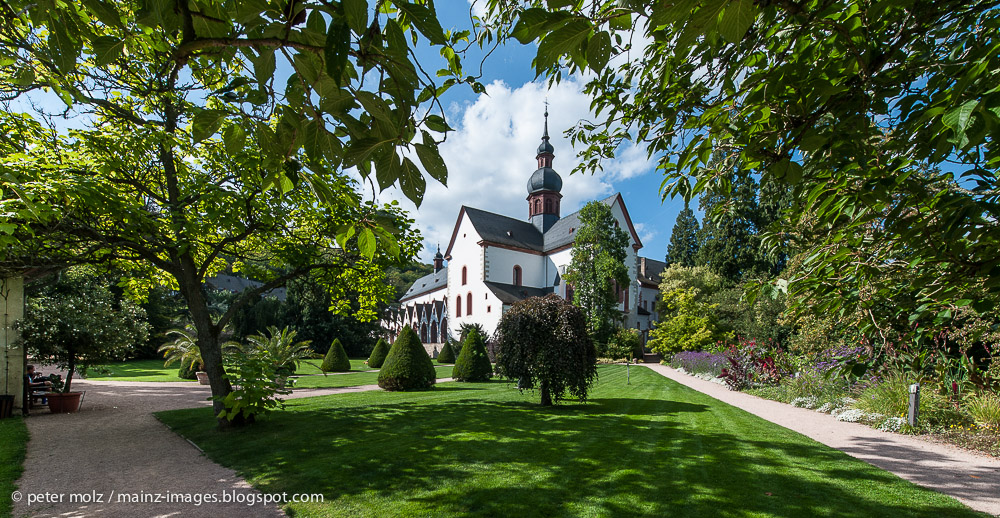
<point>64,402</point>
<point>202,377</point>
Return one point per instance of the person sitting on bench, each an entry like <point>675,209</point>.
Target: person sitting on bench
<point>30,377</point>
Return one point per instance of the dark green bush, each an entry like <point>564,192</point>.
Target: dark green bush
<point>407,366</point>
<point>379,353</point>
<point>336,359</point>
<point>543,342</point>
<point>447,355</point>
<point>473,364</point>
<point>187,372</point>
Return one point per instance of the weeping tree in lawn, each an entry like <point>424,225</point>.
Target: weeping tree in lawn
<point>543,342</point>
<point>193,156</point>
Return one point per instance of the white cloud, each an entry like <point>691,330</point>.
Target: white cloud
<point>646,234</point>
<point>492,153</point>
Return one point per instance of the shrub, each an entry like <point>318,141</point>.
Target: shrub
<point>447,355</point>
<point>686,325</point>
<point>544,341</point>
<point>699,362</point>
<point>624,344</point>
<point>256,385</point>
<point>378,355</point>
<point>407,366</point>
<point>891,398</point>
<point>985,410</point>
<point>336,359</point>
<point>752,364</point>
<point>280,347</point>
<point>472,364</point>
<point>187,372</point>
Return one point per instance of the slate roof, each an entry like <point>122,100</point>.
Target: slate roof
<point>509,294</point>
<point>650,270</point>
<point>561,232</point>
<point>505,230</point>
<point>234,284</point>
<point>427,283</point>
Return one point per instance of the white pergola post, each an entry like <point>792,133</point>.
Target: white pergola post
<point>11,355</point>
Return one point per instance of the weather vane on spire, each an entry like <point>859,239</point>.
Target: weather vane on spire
<point>545,134</point>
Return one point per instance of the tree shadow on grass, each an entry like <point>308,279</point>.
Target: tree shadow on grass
<point>610,457</point>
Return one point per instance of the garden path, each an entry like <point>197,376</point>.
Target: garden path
<point>115,444</point>
<point>972,478</point>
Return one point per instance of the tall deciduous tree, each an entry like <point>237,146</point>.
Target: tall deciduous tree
<point>597,266</point>
<point>195,154</point>
<point>847,101</point>
<point>683,246</point>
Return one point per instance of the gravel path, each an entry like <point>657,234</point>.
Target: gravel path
<point>971,478</point>
<point>115,444</point>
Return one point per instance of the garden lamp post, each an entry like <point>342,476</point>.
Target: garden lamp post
<point>911,417</point>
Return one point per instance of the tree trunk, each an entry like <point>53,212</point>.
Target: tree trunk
<point>69,374</point>
<point>546,397</point>
<point>208,342</point>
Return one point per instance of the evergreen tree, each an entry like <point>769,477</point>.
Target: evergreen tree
<point>379,353</point>
<point>336,359</point>
<point>727,242</point>
<point>683,245</point>
<point>407,367</point>
<point>473,363</point>
<point>447,354</point>
<point>599,252</point>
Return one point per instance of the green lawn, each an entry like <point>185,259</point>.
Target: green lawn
<point>652,448</point>
<point>13,436</point>
<point>136,370</point>
<point>153,370</point>
<point>355,379</point>
<point>312,366</point>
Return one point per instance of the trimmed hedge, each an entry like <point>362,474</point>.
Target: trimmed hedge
<point>473,363</point>
<point>447,354</point>
<point>407,366</point>
<point>378,355</point>
<point>336,359</point>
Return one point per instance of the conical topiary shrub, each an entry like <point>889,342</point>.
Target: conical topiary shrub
<point>379,353</point>
<point>473,363</point>
<point>407,366</point>
<point>336,359</point>
<point>447,354</point>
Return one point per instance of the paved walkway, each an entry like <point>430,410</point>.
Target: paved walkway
<point>971,478</point>
<point>114,444</point>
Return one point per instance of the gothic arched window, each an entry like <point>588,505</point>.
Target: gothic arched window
<point>517,275</point>
<point>465,276</point>
<point>468,304</point>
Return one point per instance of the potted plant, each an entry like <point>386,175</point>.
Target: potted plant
<point>76,323</point>
<point>280,347</point>
<point>184,349</point>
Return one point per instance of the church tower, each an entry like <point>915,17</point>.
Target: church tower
<point>544,186</point>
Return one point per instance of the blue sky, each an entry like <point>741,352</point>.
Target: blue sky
<point>492,152</point>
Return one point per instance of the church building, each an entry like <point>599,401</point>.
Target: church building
<point>496,260</point>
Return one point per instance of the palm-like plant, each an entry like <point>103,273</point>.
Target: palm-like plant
<point>184,349</point>
<point>280,346</point>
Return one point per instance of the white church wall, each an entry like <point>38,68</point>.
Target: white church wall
<point>468,253</point>
<point>500,264</point>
